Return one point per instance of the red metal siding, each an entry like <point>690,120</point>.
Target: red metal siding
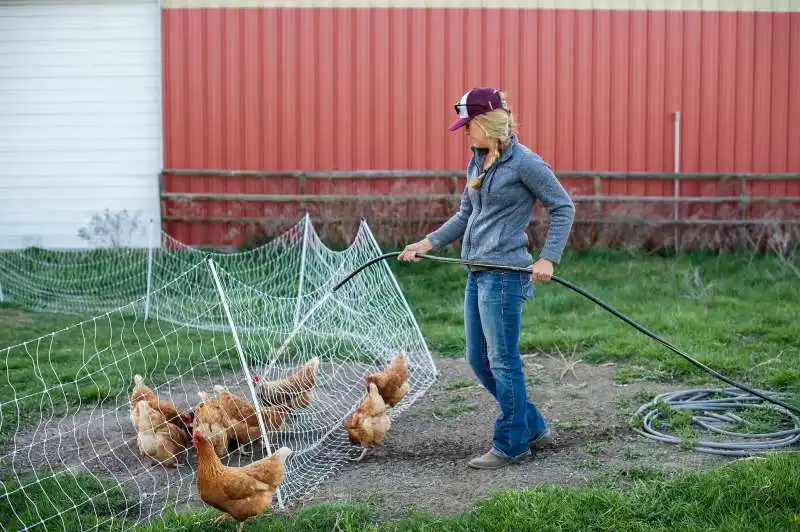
<point>793,116</point>
<point>345,89</point>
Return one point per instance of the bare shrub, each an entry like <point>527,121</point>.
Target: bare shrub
<point>400,210</point>
<point>779,239</point>
<point>696,287</point>
<point>111,228</point>
<point>394,219</point>
<point>634,228</point>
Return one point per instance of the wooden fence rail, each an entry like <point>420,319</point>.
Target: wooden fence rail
<point>743,198</point>
<point>289,198</point>
<point>428,174</point>
<point>735,199</point>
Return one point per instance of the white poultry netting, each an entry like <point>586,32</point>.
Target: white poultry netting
<point>68,449</point>
<point>104,278</point>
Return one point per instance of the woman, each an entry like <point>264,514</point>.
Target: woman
<point>504,179</point>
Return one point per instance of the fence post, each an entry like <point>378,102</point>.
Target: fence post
<point>598,206</point>
<point>676,183</point>
<point>676,233</point>
<point>150,233</point>
<point>743,199</point>
<point>1,294</point>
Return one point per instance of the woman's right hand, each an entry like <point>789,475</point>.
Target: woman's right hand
<point>409,254</point>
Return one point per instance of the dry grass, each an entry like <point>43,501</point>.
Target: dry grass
<point>643,227</point>
<point>628,228</point>
<point>611,225</point>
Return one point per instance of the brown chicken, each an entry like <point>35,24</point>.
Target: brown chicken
<point>274,416</point>
<point>369,424</point>
<point>142,392</point>
<point>242,421</point>
<point>157,438</point>
<point>270,470</point>
<point>243,424</point>
<point>392,382</point>
<point>293,390</point>
<point>239,492</point>
<point>211,421</point>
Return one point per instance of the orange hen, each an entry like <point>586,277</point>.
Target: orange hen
<point>392,382</point>
<point>239,492</point>
<point>157,438</point>
<point>369,423</point>
<point>142,392</point>
<point>243,422</point>
<point>293,390</point>
<point>212,422</point>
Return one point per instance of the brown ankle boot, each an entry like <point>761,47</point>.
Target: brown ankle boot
<point>493,461</point>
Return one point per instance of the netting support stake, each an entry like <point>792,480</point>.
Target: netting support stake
<point>224,300</point>
<point>302,269</point>
<point>149,269</point>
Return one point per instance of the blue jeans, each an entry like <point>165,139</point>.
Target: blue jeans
<point>493,304</point>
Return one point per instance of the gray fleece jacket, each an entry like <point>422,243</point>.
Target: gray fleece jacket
<point>493,219</point>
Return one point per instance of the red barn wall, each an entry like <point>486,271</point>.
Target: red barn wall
<point>288,88</point>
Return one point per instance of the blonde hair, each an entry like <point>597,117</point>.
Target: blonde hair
<point>499,125</point>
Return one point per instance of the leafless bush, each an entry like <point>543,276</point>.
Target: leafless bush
<point>396,220</point>
<point>780,240</point>
<point>696,287</point>
<point>627,227</point>
<point>111,229</point>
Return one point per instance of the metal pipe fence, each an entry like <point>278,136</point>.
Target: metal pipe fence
<point>428,174</point>
<point>745,200</point>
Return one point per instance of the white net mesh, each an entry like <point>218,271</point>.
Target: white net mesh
<point>105,278</point>
<point>87,282</point>
<point>69,457</point>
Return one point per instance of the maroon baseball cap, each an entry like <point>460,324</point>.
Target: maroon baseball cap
<point>476,101</point>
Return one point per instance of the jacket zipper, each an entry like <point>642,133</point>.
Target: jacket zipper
<point>478,212</point>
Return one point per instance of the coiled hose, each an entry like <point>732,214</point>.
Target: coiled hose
<point>683,410</point>
<point>702,406</point>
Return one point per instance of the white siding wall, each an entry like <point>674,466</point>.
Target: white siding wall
<point>80,116</point>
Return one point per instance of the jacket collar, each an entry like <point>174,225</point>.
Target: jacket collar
<point>507,153</point>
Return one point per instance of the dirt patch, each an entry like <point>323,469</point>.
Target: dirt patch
<point>423,460</point>
<point>101,441</point>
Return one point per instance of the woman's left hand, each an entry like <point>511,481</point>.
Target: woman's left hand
<point>542,270</point>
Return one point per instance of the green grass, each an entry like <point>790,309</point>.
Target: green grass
<point>738,316</point>
<point>63,502</point>
<point>761,494</point>
<point>725,499</point>
<point>53,363</point>
<point>746,317</point>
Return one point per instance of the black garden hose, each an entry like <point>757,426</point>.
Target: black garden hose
<point>763,395</point>
<point>702,404</point>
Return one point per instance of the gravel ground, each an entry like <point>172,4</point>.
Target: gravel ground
<point>422,462</point>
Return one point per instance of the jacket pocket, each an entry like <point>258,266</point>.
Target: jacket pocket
<point>496,238</point>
